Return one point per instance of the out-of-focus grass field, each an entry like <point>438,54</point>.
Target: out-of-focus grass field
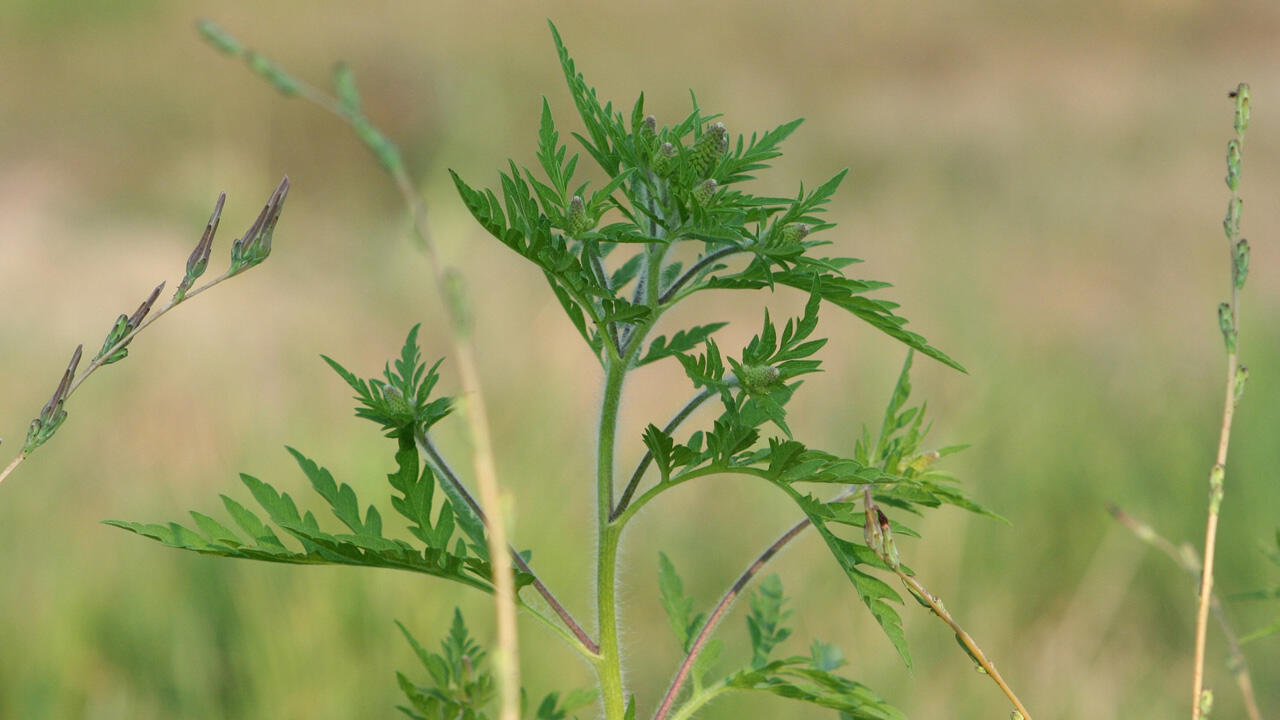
<point>1041,182</point>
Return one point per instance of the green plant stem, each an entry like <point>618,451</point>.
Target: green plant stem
<point>580,639</point>
<point>649,495</point>
<point>670,292</point>
<point>695,703</point>
<point>609,668</point>
<point>1237,663</point>
<point>643,465</point>
<point>722,607</point>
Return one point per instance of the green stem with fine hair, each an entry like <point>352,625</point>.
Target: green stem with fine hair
<point>609,667</point>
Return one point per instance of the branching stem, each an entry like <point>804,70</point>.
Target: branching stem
<point>588,645</point>
<point>643,465</point>
<point>722,607</point>
<point>693,270</point>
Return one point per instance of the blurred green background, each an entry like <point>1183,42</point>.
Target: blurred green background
<point>1040,181</point>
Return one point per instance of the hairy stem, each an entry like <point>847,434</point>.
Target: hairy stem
<point>609,669</point>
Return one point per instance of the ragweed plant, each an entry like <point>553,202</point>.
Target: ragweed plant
<point>673,218</point>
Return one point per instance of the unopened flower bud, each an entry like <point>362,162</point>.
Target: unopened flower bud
<point>759,378</point>
<point>649,126</point>
<point>1233,164</point>
<point>1241,95</point>
<point>1227,324</point>
<point>923,461</point>
<point>1241,263</point>
<point>794,233</point>
<point>664,159</point>
<point>578,220</point>
<point>396,401</point>
<point>708,148</point>
<point>1242,376</point>
<point>1231,223</point>
<point>704,190</point>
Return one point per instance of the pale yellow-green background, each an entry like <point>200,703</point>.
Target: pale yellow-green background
<point>1041,181</point>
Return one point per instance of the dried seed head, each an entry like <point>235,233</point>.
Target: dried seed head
<point>871,530</point>
<point>138,315</point>
<point>255,245</point>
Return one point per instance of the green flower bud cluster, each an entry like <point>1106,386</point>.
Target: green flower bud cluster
<point>793,233</point>
<point>664,159</point>
<point>708,149</point>
<point>649,127</point>
<point>704,190</point>
<point>578,219</point>
<point>756,379</point>
<point>396,402</point>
